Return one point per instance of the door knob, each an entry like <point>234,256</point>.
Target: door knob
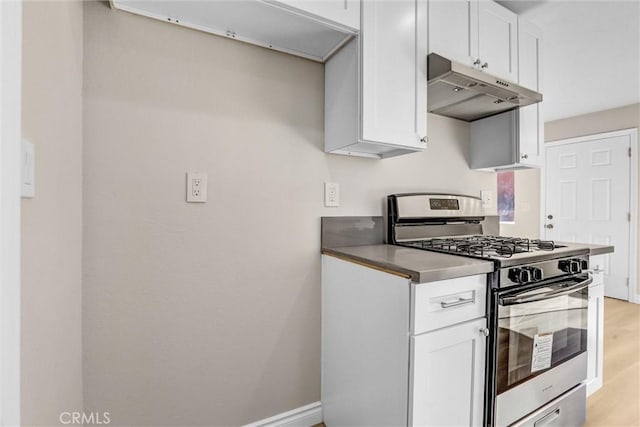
<point>549,226</point>
<point>549,216</point>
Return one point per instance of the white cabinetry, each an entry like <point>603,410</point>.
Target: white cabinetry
<point>376,86</point>
<point>595,327</point>
<point>448,372</point>
<point>398,353</point>
<point>497,40</point>
<point>448,352</point>
<point>344,12</point>
<point>311,29</point>
<point>530,76</point>
<point>514,139</point>
<point>478,33</point>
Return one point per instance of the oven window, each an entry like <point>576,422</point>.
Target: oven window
<point>534,337</point>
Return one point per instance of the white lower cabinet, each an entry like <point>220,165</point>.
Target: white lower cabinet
<point>389,358</point>
<point>595,334</point>
<point>448,367</point>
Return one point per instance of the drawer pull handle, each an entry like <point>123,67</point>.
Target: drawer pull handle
<point>459,301</point>
<point>548,419</point>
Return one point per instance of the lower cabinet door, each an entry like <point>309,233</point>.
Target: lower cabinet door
<point>447,382</point>
<point>595,336</point>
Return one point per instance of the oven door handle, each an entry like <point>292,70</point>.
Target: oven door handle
<point>525,297</point>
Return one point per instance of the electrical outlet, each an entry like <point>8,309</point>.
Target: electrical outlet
<point>196,187</point>
<point>331,194</point>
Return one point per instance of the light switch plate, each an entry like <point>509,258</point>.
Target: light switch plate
<point>487,198</point>
<point>28,165</point>
<point>331,194</point>
<point>196,187</point>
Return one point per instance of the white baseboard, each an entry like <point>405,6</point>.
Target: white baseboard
<point>634,298</point>
<point>304,416</point>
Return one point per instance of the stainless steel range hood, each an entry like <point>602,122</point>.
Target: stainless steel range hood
<point>463,92</point>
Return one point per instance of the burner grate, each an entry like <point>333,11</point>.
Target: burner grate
<point>484,246</point>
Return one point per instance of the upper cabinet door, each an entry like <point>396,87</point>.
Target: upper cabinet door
<point>394,72</point>
<point>497,40</point>
<point>344,12</point>
<point>530,76</point>
<point>529,53</point>
<point>453,30</point>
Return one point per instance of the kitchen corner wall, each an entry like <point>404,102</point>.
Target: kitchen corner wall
<point>209,314</point>
<point>51,371</point>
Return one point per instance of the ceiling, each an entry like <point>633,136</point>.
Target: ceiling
<point>591,53</point>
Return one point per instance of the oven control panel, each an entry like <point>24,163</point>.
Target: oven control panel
<point>536,272</point>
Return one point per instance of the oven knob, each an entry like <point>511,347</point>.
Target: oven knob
<point>519,275</point>
<point>570,266</point>
<point>584,264</point>
<point>536,273</point>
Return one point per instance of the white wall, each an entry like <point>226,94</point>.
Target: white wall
<point>51,377</point>
<point>209,314</point>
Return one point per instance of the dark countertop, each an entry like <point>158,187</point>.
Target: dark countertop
<point>421,266</point>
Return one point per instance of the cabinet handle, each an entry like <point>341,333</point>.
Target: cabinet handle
<point>477,62</point>
<point>549,226</point>
<point>595,270</point>
<point>525,156</point>
<point>484,331</point>
<point>459,301</point>
<point>424,139</point>
<point>485,65</point>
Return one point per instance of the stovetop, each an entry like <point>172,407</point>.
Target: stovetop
<point>503,251</point>
<point>483,246</point>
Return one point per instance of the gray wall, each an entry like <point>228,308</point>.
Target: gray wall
<point>209,314</point>
<point>51,374</point>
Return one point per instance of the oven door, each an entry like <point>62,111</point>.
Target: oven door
<point>541,345</point>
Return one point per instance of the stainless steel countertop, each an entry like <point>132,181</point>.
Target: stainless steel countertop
<point>421,266</point>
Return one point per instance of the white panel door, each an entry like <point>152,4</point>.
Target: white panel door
<point>587,201</point>
<point>453,30</point>
<point>394,72</point>
<point>530,75</point>
<point>497,40</point>
<point>448,376</point>
<point>345,12</point>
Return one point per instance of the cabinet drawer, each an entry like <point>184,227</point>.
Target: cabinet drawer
<point>447,302</point>
<point>567,410</point>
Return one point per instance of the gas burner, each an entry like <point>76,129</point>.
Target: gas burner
<point>484,246</point>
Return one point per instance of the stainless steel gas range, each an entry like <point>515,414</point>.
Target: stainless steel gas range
<point>536,308</point>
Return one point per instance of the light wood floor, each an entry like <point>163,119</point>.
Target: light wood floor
<point>617,403</point>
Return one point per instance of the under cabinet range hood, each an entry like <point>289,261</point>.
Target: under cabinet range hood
<point>463,92</point>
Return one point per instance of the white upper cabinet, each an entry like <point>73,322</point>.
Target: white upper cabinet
<point>453,31</point>
<point>530,76</point>
<point>497,40</point>
<point>478,33</point>
<point>376,86</point>
<point>343,12</point>
<point>311,29</point>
